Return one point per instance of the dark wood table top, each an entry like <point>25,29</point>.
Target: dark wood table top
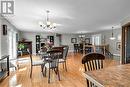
<point>115,76</point>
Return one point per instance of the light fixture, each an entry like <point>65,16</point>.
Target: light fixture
<point>112,37</point>
<point>48,24</point>
<point>82,36</point>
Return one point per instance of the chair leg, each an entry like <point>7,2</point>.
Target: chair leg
<point>87,83</point>
<point>49,74</point>
<point>42,67</point>
<point>58,73</point>
<point>45,71</point>
<point>31,71</point>
<point>55,71</point>
<point>65,66</point>
<point>49,77</point>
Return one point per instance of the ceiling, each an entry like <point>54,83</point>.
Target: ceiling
<point>72,16</point>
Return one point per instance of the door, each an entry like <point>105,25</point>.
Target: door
<point>126,44</point>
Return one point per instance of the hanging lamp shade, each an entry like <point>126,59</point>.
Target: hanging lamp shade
<point>112,37</point>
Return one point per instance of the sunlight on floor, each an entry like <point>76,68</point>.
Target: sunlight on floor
<point>23,69</point>
<point>13,81</point>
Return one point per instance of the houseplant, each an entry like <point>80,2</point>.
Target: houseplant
<point>21,46</point>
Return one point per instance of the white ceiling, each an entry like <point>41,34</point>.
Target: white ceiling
<point>74,16</point>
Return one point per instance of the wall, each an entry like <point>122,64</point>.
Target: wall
<point>5,38</point>
<point>112,43</point>
<point>65,39</point>
<point>31,36</point>
<point>125,21</point>
<point>0,36</point>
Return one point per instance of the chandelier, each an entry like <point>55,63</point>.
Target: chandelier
<point>48,24</point>
<point>81,36</point>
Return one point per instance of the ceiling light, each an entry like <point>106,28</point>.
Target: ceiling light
<point>47,24</point>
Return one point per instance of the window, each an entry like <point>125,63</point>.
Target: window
<point>12,45</point>
<point>96,39</point>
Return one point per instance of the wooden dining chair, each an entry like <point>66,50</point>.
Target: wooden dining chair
<point>92,61</point>
<point>35,63</point>
<point>64,57</point>
<point>52,63</point>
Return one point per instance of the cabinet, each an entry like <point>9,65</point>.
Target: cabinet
<point>37,43</point>
<point>27,45</point>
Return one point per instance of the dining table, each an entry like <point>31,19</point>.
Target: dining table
<point>113,76</point>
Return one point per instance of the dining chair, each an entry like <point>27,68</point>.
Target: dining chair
<point>81,47</point>
<point>76,48</point>
<point>92,61</point>
<point>52,63</point>
<point>35,63</point>
<point>64,57</point>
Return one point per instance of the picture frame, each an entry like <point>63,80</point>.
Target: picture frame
<point>87,40</point>
<point>17,37</point>
<point>118,45</point>
<point>4,29</point>
<point>73,40</point>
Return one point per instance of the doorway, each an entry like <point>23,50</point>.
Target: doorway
<point>126,44</point>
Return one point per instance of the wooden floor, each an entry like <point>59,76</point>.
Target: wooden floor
<point>72,78</point>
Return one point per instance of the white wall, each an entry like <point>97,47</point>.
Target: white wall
<point>31,36</point>
<point>0,36</point>
<point>66,39</point>
<point>4,38</point>
<point>106,34</point>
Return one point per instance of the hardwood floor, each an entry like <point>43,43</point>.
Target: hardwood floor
<point>72,78</point>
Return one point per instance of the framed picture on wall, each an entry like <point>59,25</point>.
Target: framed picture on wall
<point>17,38</point>
<point>4,29</point>
<point>73,40</point>
<point>87,40</point>
<point>118,45</point>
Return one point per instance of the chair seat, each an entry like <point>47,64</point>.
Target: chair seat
<point>61,60</point>
<point>38,62</point>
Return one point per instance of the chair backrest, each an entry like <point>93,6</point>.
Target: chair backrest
<point>55,56</point>
<point>58,48</point>
<point>93,61</point>
<point>65,51</point>
<point>76,46</point>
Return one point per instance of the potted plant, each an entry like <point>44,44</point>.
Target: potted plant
<point>21,46</point>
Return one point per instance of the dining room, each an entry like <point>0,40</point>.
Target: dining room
<point>64,43</point>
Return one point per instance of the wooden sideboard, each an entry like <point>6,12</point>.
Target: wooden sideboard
<point>28,44</point>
